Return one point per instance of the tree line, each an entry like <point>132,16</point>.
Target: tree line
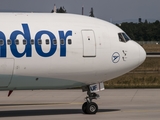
<point>63,10</point>
<point>142,31</point>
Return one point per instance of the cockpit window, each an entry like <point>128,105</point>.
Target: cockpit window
<point>126,37</point>
<point>123,37</point>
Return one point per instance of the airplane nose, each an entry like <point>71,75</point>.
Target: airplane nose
<point>142,55</point>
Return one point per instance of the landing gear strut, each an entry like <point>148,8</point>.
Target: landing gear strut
<point>90,107</point>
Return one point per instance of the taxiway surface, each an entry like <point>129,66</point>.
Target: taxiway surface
<point>114,104</point>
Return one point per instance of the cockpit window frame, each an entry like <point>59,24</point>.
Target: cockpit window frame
<point>123,37</point>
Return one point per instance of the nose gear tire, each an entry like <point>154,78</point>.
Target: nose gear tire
<point>89,108</point>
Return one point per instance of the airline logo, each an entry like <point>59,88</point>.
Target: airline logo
<point>28,47</point>
<point>115,57</point>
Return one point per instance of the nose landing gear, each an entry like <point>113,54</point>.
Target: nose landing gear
<point>90,107</point>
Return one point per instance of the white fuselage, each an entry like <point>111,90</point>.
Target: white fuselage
<point>67,51</point>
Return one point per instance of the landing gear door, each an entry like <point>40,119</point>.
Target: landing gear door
<point>89,43</point>
<point>6,72</point>
<point>96,87</point>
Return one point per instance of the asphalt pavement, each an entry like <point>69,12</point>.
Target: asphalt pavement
<point>114,104</point>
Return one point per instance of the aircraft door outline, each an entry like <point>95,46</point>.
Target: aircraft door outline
<point>6,71</point>
<point>89,43</point>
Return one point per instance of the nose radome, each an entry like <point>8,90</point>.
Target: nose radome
<point>142,55</point>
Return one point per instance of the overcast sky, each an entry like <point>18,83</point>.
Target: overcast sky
<point>115,10</point>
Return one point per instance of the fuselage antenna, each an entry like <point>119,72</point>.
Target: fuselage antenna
<point>55,8</point>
